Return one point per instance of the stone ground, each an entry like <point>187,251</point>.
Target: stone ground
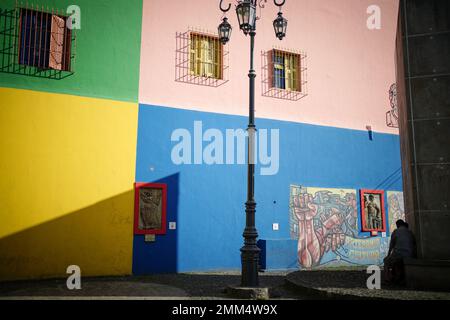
<point>197,286</point>
<point>299,285</point>
<point>351,284</point>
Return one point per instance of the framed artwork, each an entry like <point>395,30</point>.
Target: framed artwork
<point>373,215</point>
<point>150,204</point>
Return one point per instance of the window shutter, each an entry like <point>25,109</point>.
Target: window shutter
<point>192,58</point>
<point>279,70</point>
<point>57,43</point>
<point>195,66</point>
<point>201,60</point>
<point>218,60</point>
<point>67,49</point>
<point>282,59</point>
<point>299,73</point>
<point>208,57</point>
<point>289,71</point>
<point>198,56</point>
<point>203,54</point>
<point>271,69</point>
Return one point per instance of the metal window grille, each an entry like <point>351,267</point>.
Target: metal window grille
<point>201,59</point>
<point>36,42</point>
<point>284,74</point>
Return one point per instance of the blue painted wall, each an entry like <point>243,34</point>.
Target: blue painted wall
<point>207,202</point>
<point>278,254</point>
<point>159,256</point>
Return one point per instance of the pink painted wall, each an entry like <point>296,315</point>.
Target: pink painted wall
<point>350,68</point>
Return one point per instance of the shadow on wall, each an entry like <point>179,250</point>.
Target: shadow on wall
<point>160,256</point>
<point>97,238</point>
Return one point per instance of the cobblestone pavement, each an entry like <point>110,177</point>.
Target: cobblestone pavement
<point>351,284</point>
<point>165,286</point>
<point>301,285</point>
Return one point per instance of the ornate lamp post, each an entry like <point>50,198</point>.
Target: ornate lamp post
<point>246,13</point>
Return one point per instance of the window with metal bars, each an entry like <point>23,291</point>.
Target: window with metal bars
<point>35,42</point>
<point>286,70</point>
<point>206,56</point>
<point>44,40</point>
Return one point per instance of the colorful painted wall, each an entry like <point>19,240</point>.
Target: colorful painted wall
<point>350,68</point>
<point>208,201</point>
<point>72,149</point>
<point>323,138</point>
<point>107,51</point>
<point>68,152</point>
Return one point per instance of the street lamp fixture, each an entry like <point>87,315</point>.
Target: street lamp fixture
<point>280,26</point>
<point>246,13</point>
<point>247,17</point>
<point>224,31</point>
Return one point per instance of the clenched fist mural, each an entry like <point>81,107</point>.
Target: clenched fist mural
<point>325,222</point>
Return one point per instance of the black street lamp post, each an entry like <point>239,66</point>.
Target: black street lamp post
<point>246,12</point>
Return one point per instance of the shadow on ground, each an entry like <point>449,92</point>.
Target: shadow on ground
<point>184,286</point>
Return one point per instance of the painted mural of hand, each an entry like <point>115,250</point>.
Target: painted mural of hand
<point>332,233</point>
<point>309,253</point>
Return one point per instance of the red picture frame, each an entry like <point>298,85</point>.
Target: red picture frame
<point>157,207</point>
<point>373,215</point>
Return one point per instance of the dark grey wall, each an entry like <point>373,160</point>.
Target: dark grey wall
<point>425,129</point>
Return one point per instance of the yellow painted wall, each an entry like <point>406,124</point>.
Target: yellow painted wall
<point>67,167</point>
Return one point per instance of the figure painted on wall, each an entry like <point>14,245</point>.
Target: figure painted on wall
<point>373,213</point>
<point>396,208</point>
<point>324,221</point>
<point>392,115</point>
<point>373,216</point>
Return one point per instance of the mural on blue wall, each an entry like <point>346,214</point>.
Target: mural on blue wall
<point>325,222</point>
<point>396,208</point>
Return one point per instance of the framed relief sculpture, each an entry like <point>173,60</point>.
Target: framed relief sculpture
<point>150,208</point>
<point>373,216</point>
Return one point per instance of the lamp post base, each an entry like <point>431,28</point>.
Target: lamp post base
<point>250,266</point>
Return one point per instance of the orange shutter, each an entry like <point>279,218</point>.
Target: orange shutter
<point>57,43</point>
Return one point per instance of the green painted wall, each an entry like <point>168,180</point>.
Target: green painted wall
<point>107,51</point>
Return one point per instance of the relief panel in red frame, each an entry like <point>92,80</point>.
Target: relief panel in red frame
<point>150,205</point>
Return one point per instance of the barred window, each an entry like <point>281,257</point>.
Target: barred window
<point>44,40</point>
<point>286,70</point>
<point>284,74</point>
<point>206,56</point>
